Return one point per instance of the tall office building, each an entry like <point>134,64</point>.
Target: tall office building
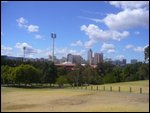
<point>98,57</point>
<point>70,58</point>
<point>133,61</point>
<point>124,61</point>
<point>90,57</point>
<point>77,59</point>
<point>101,57</point>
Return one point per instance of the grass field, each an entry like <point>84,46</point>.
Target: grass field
<point>46,99</point>
<point>124,86</point>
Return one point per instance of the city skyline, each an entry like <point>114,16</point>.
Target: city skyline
<point>116,29</point>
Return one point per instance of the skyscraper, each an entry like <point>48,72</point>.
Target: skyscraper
<point>98,57</point>
<point>133,61</point>
<point>101,57</point>
<point>70,58</point>
<point>90,57</point>
<point>77,59</point>
<point>124,61</point>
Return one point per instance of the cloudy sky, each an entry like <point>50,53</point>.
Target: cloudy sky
<point>117,29</point>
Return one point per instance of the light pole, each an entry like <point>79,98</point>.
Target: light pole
<point>24,52</point>
<point>53,36</point>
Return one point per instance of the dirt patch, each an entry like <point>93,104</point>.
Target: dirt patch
<point>69,102</point>
<point>88,94</point>
<point>73,100</point>
<point>144,99</point>
<point>22,106</point>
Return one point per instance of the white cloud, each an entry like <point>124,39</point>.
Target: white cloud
<point>38,36</point>
<point>92,19</point>
<point>97,34</point>
<point>21,45</point>
<point>120,57</point>
<point>29,49</point>
<point>77,43</point>
<point>6,50</point>
<point>22,22</point>
<point>127,19</point>
<point>119,36</point>
<point>59,52</point>
<point>137,32</point>
<point>129,4</point>
<point>2,34</point>
<point>33,28</point>
<point>62,52</point>
<point>109,48</point>
<point>138,49</point>
<point>129,46</point>
<point>90,43</point>
<point>146,46</point>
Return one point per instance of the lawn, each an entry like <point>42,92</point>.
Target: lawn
<point>46,99</point>
<point>124,86</point>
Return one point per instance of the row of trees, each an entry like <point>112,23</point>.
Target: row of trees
<point>48,73</point>
<point>18,72</point>
<point>29,72</point>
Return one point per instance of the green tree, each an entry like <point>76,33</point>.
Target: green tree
<point>6,74</point>
<point>61,71</point>
<point>146,53</point>
<point>143,72</point>
<point>87,74</point>
<point>26,74</point>
<point>109,78</point>
<point>104,68</point>
<point>61,80</point>
<point>50,73</point>
<point>117,70</point>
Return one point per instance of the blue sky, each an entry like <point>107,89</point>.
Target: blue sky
<point>117,29</point>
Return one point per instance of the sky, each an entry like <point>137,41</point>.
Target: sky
<point>118,29</point>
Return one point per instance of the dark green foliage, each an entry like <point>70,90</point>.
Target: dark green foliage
<point>109,78</point>
<point>17,72</point>
<point>61,80</point>
<point>146,53</point>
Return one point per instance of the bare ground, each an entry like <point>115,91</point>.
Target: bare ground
<point>72,100</point>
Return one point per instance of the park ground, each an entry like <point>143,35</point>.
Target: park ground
<point>68,99</point>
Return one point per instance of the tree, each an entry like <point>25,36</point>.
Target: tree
<point>61,80</point>
<point>50,73</point>
<point>117,70</point>
<point>91,76</point>
<point>96,79</point>
<point>104,68</point>
<point>87,75</point>
<point>146,53</point>
<point>143,72</point>
<point>6,74</point>
<point>61,71</point>
<point>109,78</point>
<point>26,74</point>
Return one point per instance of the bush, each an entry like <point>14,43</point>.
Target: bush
<point>108,78</point>
<point>61,80</point>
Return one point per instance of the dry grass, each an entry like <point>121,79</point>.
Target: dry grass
<point>124,86</point>
<point>15,99</point>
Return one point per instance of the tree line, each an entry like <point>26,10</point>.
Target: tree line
<point>47,72</point>
<point>28,73</point>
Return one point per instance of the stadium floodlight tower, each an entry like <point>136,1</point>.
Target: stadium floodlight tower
<point>24,48</point>
<point>53,36</point>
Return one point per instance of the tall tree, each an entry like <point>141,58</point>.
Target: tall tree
<point>146,53</point>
